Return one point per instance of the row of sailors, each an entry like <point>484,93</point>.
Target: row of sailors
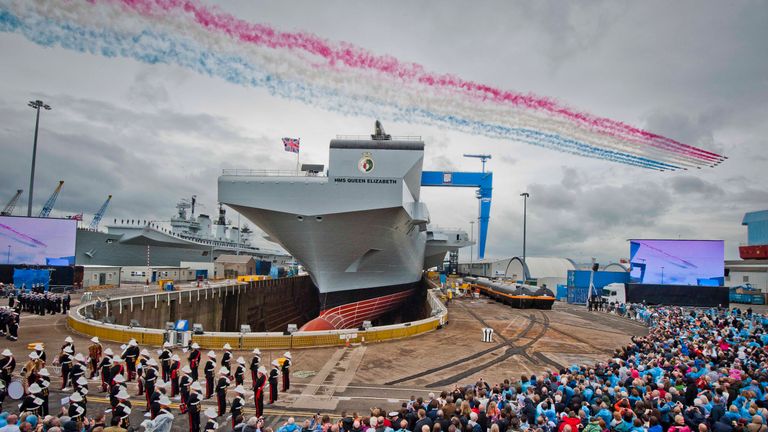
<point>40,303</point>
<point>133,363</point>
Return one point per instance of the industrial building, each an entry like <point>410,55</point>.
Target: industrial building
<point>232,266</point>
<point>549,271</point>
<point>752,269</point>
<point>101,276</point>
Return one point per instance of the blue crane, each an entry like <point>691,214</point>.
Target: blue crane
<point>46,211</point>
<point>483,181</point>
<point>99,214</point>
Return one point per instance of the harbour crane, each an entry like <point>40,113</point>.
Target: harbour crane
<point>483,181</point>
<point>99,214</point>
<point>46,211</point>
<point>8,210</point>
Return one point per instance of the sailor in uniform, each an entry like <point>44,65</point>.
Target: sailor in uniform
<point>68,342</point>
<point>221,390</point>
<point>149,374</point>
<point>258,393</point>
<point>94,356</point>
<point>118,386</point>
<point>194,360</point>
<point>240,371</point>
<point>255,362</point>
<point>286,371</point>
<point>76,410</point>
<point>31,368</point>
<point>130,354</point>
<point>165,361</point>
<point>44,381</point>
<point>210,425</point>
<point>65,361</point>
<point>173,374</point>
<point>154,399</point>
<point>184,382</point>
<point>123,408</point>
<point>142,364</point>
<point>193,406</point>
<point>104,366</point>
<point>77,371</point>
<point>208,371</point>
<point>273,374</point>
<point>29,404</point>
<point>7,366</point>
<point>238,403</point>
<point>226,358</point>
<point>40,350</point>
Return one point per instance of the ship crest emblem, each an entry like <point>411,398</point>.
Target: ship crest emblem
<point>365,164</point>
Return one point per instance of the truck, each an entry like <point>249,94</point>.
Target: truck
<point>614,293</point>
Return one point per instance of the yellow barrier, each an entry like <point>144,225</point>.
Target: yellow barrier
<point>114,334</point>
<point>249,341</point>
<point>269,342</point>
<point>216,342</point>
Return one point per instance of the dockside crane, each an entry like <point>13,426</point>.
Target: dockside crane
<point>46,211</point>
<point>99,214</point>
<point>483,181</point>
<point>8,210</point>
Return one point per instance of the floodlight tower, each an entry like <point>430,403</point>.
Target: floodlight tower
<point>36,105</point>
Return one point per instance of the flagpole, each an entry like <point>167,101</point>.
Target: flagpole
<point>297,155</point>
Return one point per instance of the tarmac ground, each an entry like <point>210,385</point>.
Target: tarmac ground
<point>356,378</point>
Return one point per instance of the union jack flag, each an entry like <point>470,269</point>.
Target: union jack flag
<point>291,144</point>
<point>77,217</point>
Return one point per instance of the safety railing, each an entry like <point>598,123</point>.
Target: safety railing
<point>267,173</point>
<point>247,341</point>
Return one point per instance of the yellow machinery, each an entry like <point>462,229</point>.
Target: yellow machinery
<point>252,278</point>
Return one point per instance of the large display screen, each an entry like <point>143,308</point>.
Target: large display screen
<point>677,262</point>
<point>37,241</point>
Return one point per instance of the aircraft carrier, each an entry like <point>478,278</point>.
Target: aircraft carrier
<point>359,229</point>
<point>128,242</point>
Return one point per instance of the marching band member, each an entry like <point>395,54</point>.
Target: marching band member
<point>221,390</point>
<point>94,356</point>
<point>273,374</point>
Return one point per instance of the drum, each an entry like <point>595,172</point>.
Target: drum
<point>16,390</point>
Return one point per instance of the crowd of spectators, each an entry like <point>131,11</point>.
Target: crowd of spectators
<point>697,370</point>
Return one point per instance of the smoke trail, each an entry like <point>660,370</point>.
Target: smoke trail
<point>287,65</point>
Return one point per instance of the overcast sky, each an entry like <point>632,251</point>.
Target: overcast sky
<point>696,71</point>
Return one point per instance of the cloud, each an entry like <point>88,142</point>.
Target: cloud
<point>147,160</point>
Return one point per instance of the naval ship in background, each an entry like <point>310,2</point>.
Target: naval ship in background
<point>360,230</point>
<point>195,239</point>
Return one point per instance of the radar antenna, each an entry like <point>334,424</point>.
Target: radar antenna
<point>378,132</point>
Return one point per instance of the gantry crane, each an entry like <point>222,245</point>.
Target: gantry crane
<point>99,214</point>
<point>483,181</point>
<point>46,211</point>
<point>8,210</point>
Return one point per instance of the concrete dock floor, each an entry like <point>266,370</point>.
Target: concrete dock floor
<point>332,380</point>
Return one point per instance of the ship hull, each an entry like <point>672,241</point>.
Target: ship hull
<point>99,248</point>
<point>348,253</point>
<point>349,309</point>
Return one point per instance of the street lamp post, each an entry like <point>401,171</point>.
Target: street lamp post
<point>471,244</point>
<point>36,105</point>
<point>525,196</point>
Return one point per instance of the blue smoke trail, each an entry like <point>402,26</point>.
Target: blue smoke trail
<point>158,48</point>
